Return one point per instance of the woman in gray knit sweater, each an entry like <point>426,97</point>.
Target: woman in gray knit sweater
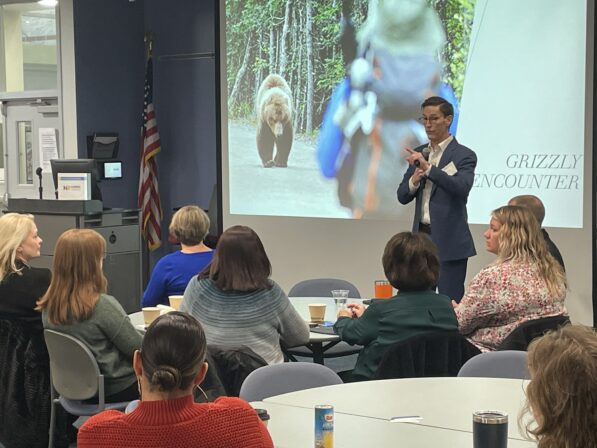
<point>238,304</point>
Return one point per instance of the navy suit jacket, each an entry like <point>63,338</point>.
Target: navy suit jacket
<point>447,205</point>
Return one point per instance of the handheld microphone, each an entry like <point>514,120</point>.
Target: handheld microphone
<point>425,154</point>
<point>41,188</point>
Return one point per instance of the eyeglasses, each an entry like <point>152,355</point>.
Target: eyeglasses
<point>431,119</point>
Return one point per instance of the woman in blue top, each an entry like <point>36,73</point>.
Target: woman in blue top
<point>172,273</point>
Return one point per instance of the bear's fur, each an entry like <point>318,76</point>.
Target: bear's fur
<point>273,107</point>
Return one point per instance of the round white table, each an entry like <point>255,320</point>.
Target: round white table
<point>446,403</point>
<point>293,427</point>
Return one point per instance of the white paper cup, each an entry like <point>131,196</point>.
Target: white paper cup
<point>150,314</point>
<point>317,312</point>
<point>175,301</point>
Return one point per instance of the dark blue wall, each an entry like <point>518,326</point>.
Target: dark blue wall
<point>185,98</point>
<point>109,53</point>
<point>109,59</point>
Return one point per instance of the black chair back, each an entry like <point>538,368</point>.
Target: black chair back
<point>521,336</point>
<point>435,354</point>
<point>24,384</point>
<point>228,368</point>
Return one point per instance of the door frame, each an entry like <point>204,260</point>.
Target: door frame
<point>36,106</point>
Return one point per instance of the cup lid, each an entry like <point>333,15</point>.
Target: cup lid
<point>262,413</point>
<point>490,417</point>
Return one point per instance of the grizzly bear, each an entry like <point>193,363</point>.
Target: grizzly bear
<point>273,106</point>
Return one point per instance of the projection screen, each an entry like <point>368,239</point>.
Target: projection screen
<point>323,199</point>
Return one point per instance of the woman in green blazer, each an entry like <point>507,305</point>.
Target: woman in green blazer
<point>411,265</point>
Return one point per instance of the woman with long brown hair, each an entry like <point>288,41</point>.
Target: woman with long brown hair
<point>562,394</point>
<point>525,282</point>
<point>238,304</point>
<point>76,303</point>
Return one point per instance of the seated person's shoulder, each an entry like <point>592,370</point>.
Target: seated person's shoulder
<point>101,420</point>
<point>42,272</point>
<point>233,407</point>
<point>166,260</point>
<point>108,304</point>
<point>232,403</point>
<point>276,289</point>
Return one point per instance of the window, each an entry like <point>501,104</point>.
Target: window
<point>28,48</point>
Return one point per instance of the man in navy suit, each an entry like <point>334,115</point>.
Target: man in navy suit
<point>440,177</point>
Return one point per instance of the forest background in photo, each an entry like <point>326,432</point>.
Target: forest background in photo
<point>298,39</point>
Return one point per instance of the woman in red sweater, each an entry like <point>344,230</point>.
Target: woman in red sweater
<point>170,364</point>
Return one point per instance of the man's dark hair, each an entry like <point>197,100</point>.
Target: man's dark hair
<point>239,262</point>
<point>410,262</point>
<point>533,203</point>
<point>445,106</point>
<point>172,352</point>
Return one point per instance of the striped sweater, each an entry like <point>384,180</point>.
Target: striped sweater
<point>258,319</point>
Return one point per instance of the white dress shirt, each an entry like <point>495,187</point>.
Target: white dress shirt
<point>435,155</point>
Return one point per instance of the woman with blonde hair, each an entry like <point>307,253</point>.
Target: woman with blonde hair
<point>562,394</point>
<point>24,364</point>
<point>20,284</point>
<point>525,282</point>
<point>76,303</point>
<point>173,272</point>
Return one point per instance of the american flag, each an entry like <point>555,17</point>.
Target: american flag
<point>149,196</point>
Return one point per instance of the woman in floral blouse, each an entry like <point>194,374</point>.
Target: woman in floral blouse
<point>525,282</point>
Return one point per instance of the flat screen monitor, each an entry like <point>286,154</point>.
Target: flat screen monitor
<point>112,170</point>
<point>77,166</point>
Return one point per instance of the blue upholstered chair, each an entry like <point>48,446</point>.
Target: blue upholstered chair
<point>500,364</point>
<point>75,377</point>
<point>287,377</point>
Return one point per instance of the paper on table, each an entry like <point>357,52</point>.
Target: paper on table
<point>406,419</point>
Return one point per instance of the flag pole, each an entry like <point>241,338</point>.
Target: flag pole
<point>148,40</point>
<point>148,193</point>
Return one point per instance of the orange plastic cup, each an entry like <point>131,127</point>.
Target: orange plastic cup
<point>383,289</point>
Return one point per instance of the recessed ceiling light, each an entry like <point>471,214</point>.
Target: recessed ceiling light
<point>51,3</point>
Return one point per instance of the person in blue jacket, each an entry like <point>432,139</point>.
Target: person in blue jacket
<point>173,272</point>
<point>439,179</point>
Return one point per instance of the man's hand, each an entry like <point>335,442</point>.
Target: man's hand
<point>417,176</point>
<point>416,156</point>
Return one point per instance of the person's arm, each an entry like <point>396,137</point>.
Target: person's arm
<point>190,294</point>
<point>461,182</point>
<point>478,305</point>
<point>361,330</point>
<point>118,327</point>
<point>404,193</point>
<point>292,328</point>
<point>156,288</point>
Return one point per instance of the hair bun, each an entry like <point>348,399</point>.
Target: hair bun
<point>166,378</point>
